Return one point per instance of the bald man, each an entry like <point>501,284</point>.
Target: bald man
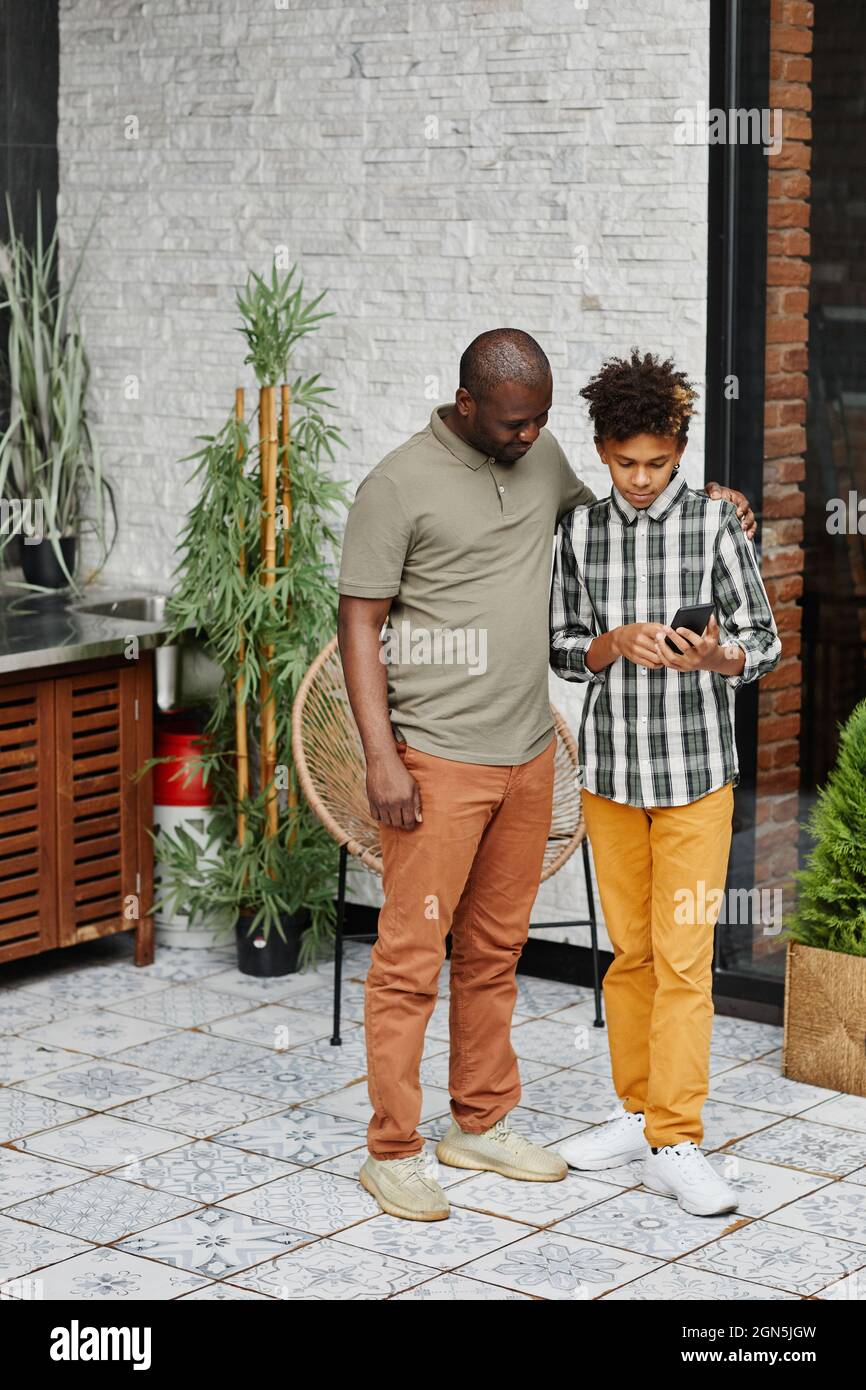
<point>449,541</point>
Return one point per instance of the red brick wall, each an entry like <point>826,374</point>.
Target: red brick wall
<point>785,442</point>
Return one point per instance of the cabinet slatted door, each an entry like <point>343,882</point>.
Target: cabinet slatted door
<point>97,753</point>
<point>28,921</point>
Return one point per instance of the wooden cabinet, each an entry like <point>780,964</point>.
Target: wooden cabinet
<point>28,919</point>
<point>75,854</point>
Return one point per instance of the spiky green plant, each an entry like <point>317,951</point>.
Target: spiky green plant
<point>831,905</point>
<point>234,611</point>
<point>48,452</point>
<point>274,318</point>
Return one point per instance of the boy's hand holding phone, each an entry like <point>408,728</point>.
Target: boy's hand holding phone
<point>693,651</point>
<point>679,647</point>
<point>637,642</point>
<point>698,652</point>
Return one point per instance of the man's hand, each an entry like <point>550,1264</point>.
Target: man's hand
<point>393,793</point>
<point>394,796</point>
<point>740,501</point>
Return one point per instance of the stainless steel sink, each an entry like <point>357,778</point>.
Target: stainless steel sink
<point>141,608</point>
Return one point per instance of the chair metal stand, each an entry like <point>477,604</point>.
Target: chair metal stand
<point>598,1021</point>
<point>336,1040</point>
<point>329,761</point>
<point>590,921</point>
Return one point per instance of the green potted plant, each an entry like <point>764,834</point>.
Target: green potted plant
<point>254,579</point>
<point>825,986</point>
<point>50,467</point>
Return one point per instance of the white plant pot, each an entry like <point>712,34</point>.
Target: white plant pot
<point>173,929</point>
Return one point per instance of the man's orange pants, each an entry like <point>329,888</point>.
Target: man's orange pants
<point>471,866</point>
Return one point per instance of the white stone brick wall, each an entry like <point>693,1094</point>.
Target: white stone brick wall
<point>441,167</point>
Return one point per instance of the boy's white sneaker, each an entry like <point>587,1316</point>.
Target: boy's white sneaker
<point>682,1171</point>
<point>620,1139</point>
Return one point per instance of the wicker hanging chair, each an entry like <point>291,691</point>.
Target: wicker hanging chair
<point>329,761</point>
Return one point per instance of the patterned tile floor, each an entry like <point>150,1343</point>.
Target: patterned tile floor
<point>184,1131</point>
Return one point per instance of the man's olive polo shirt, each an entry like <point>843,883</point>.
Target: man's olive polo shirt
<point>464,546</point>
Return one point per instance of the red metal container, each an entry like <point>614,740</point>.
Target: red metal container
<point>170,786</point>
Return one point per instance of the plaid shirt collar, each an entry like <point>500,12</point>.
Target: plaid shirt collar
<point>672,496</point>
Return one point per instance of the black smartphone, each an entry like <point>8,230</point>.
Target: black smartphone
<point>694,618</point>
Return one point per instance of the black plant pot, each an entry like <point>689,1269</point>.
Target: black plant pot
<point>12,552</point>
<point>41,566</point>
<point>271,955</point>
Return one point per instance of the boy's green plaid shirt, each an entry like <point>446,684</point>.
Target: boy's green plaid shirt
<point>657,737</point>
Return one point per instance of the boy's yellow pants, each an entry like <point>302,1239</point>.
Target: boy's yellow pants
<point>661,873</point>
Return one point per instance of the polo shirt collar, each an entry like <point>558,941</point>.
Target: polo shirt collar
<point>669,498</point>
<point>473,458</point>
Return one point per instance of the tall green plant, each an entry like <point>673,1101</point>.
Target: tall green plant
<point>274,318</point>
<point>831,904</point>
<point>227,602</point>
<point>48,453</point>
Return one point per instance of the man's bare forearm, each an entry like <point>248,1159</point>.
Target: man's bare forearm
<point>393,793</point>
<point>359,624</point>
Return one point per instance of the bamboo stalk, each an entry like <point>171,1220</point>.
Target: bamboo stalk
<point>268,438</point>
<point>264,465</point>
<point>285,441</point>
<point>241,740</point>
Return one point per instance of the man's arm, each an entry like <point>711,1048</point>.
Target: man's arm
<point>377,540</point>
<point>391,790</point>
<point>573,492</point>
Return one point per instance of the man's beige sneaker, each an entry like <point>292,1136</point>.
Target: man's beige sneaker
<point>405,1187</point>
<point>501,1150</point>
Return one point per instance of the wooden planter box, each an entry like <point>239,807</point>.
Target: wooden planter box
<point>825,1019</point>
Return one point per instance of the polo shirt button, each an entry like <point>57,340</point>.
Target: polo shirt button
<point>501,488</point>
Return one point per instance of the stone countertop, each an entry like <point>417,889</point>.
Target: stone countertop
<point>39,630</point>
